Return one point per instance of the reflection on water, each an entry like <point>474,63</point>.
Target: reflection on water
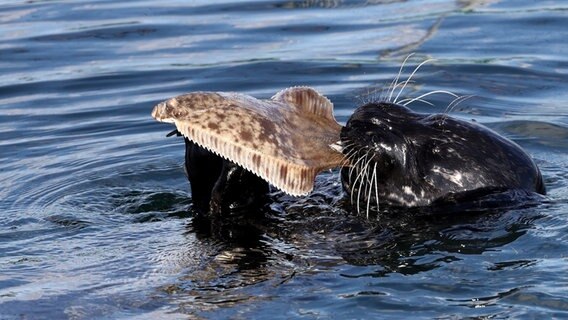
<point>96,216</point>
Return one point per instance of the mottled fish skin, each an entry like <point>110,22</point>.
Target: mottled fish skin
<point>284,140</point>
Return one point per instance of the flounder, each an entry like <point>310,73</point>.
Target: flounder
<point>285,140</point>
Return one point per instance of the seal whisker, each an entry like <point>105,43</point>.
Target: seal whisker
<point>373,94</point>
<point>363,178</point>
<point>371,189</point>
<point>455,102</point>
<point>348,145</point>
<point>359,196</point>
<point>410,77</point>
<point>357,163</point>
<point>395,83</point>
<point>385,90</point>
<point>376,176</point>
<point>351,171</point>
<point>350,176</point>
<point>413,100</point>
<point>452,105</point>
<point>352,167</point>
<point>363,97</point>
<point>360,174</point>
<point>402,84</point>
<point>349,157</point>
<point>419,98</point>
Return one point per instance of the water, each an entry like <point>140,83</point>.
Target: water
<point>96,219</point>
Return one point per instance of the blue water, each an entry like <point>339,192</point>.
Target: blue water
<point>95,210</point>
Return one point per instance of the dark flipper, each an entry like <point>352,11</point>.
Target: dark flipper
<point>220,187</point>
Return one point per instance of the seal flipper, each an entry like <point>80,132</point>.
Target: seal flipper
<point>237,191</point>
<point>220,187</point>
<point>203,169</point>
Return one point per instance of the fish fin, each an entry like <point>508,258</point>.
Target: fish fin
<point>307,99</point>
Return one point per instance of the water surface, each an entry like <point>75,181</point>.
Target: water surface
<point>96,218</point>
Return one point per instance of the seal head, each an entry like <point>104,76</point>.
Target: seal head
<point>405,159</point>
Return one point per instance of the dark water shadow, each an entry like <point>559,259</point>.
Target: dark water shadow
<point>306,236</point>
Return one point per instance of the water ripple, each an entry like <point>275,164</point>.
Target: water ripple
<point>96,215</point>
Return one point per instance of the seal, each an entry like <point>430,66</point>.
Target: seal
<point>401,158</point>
